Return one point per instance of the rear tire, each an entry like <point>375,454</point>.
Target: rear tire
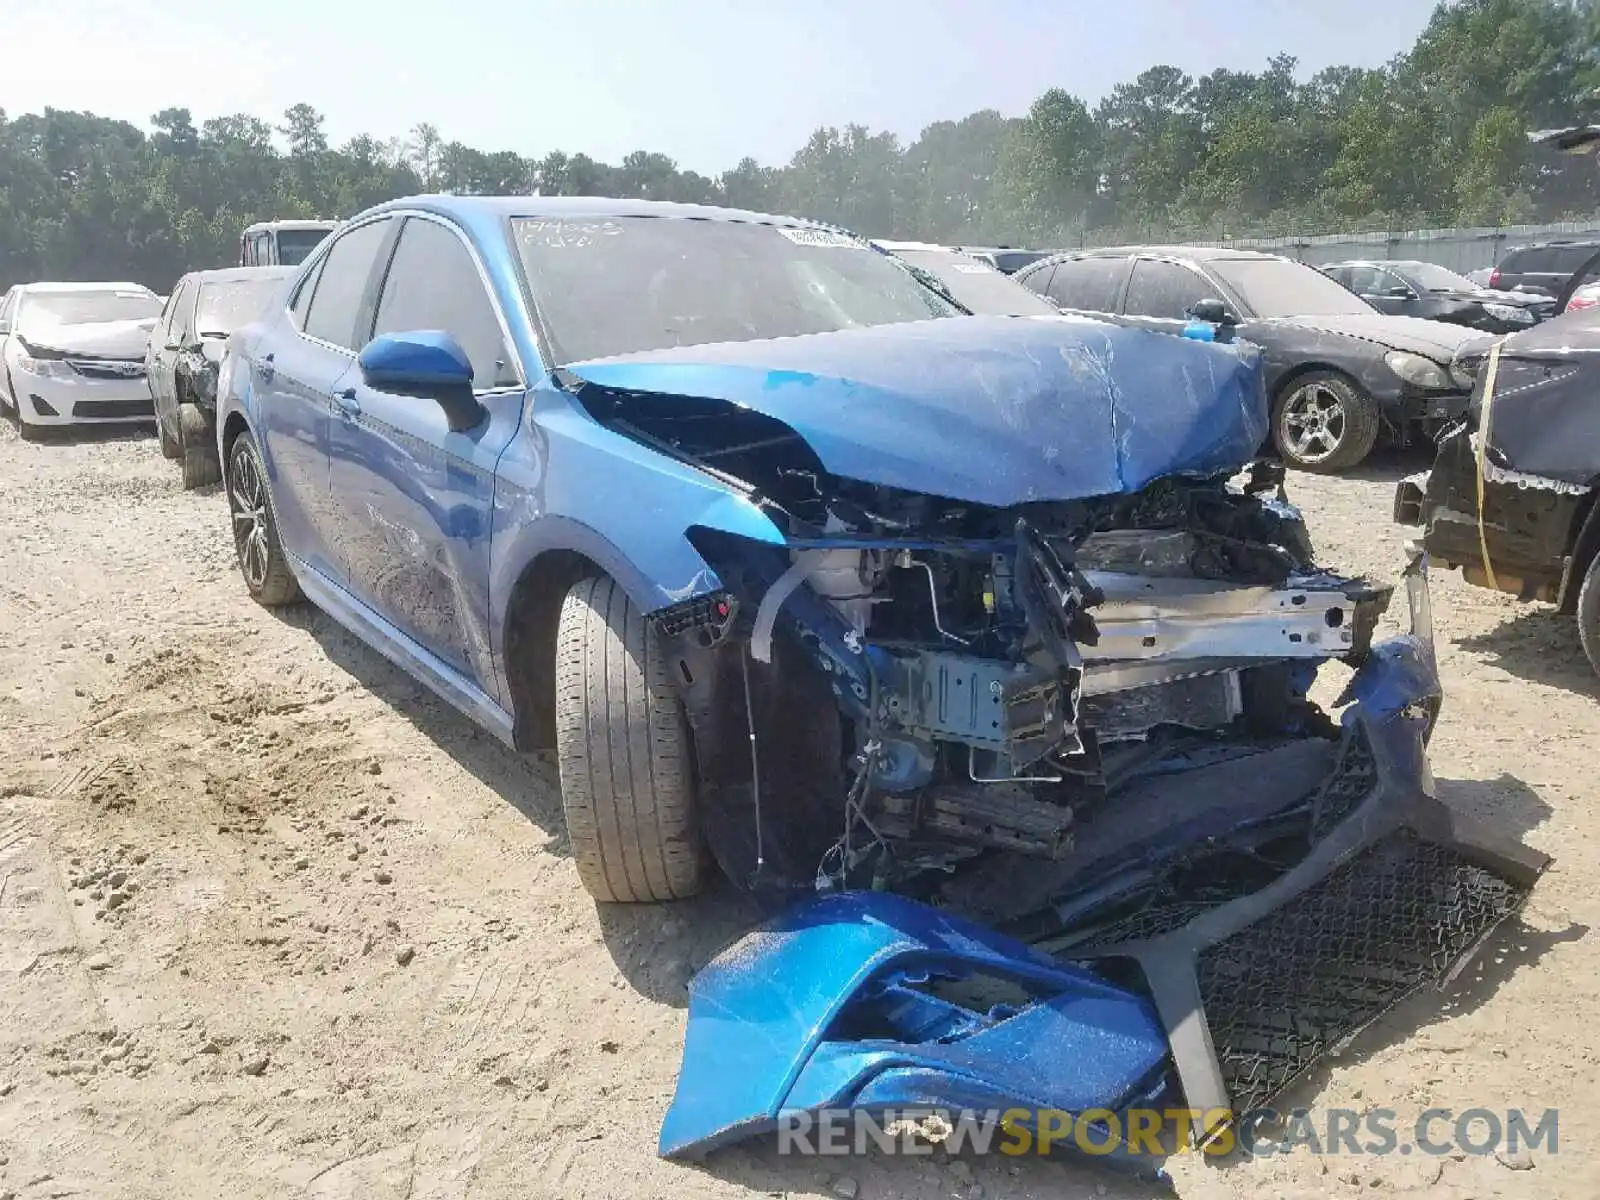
<point>1324,422</point>
<point>197,448</point>
<point>1589,613</point>
<point>625,757</point>
<point>262,562</point>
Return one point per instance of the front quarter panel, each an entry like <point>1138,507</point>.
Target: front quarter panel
<point>567,483</point>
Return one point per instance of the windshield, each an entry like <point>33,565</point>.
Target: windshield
<point>1430,278</point>
<point>978,286</point>
<point>1276,287</point>
<point>226,306</point>
<point>616,285</point>
<point>85,308</point>
<point>295,244</point>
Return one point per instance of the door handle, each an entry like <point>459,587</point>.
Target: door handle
<point>345,403</point>
<point>265,369</point>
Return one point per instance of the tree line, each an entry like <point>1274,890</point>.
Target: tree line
<point>1435,137</point>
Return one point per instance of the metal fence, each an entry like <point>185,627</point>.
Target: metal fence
<point>1461,250</point>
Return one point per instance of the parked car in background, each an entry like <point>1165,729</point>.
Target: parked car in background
<point>1481,276</point>
<point>1535,532</point>
<point>1545,266</point>
<point>73,353</point>
<point>1338,372</point>
<point>1008,260</point>
<point>1410,288</point>
<point>183,353</point>
<point>976,285</point>
<point>281,243</point>
<point>1585,296</point>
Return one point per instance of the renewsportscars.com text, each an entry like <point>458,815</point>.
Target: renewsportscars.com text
<point>1158,1132</point>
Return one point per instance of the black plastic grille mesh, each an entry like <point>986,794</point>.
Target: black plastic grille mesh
<point>1352,781</point>
<point>1308,976</point>
<point>709,610</point>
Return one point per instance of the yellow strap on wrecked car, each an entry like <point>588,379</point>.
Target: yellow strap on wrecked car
<point>1483,451</point>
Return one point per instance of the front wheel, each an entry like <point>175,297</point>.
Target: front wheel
<point>262,561</point>
<point>1589,613</point>
<point>197,447</point>
<point>1324,422</point>
<point>625,758</point>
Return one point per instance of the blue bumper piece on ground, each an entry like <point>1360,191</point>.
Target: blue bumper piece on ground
<point>839,1004</point>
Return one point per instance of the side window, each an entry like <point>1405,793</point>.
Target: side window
<point>1039,281</point>
<point>265,255</point>
<point>8,306</point>
<point>183,314</point>
<point>1534,262</point>
<point>1167,290</point>
<point>433,283</point>
<point>1363,281</point>
<point>170,319</point>
<point>1570,258</point>
<point>301,302</point>
<point>342,283</point>
<point>247,252</point>
<point>1091,284</point>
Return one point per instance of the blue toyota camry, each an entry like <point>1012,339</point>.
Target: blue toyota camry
<point>801,568</point>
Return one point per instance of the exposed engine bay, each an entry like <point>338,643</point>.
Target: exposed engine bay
<point>914,681</point>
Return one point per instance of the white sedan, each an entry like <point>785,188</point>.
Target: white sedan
<point>73,353</point>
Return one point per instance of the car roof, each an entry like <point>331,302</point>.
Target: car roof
<point>95,286</point>
<point>241,274</point>
<point>474,209</point>
<point>317,223</point>
<point>1197,253</point>
<point>885,244</point>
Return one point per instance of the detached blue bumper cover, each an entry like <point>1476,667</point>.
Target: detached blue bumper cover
<point>836,1005</point>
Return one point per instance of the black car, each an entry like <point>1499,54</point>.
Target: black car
<point>185,348</point>
<point>1539,529</point>
<point>1547,266</point>
<point>1008,260</point>
<point>1408,288</point>
<point>976,285</point>
<point>1338,372</point>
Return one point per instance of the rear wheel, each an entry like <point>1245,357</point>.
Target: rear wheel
<point>626,762</point>
<point>262,561</point>
<point>1324,422</point>
<point>1589,613</point>
<point>197,448</point>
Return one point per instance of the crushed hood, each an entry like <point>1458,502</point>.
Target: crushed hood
<point>1546,415</point>
<point>101,339</point>
<point>988,410</point>
<point>1434,339</point>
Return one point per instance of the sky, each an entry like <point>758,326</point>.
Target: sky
<point>703,81</point>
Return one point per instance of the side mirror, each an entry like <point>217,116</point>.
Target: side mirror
<point>1213,311</point>
<point>428,364</point>
<point>1401,292</point>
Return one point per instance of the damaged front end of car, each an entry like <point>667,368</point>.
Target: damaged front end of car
<point>1023,694</point>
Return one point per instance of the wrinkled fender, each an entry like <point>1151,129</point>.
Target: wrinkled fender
<point>565,482</point>
<point>770,1021</point>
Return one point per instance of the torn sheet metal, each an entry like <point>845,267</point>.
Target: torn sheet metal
<point>989,410</point>
<point>855,1001</point>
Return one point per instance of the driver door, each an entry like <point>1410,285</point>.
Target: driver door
<point>417,496</point>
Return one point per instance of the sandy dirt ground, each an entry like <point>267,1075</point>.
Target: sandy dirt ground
<point>275,922</point>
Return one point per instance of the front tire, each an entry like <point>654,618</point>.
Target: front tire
<point>626,762</point>
<point>262,561</point>
<point>198,448</point>
<point>1324,422</point>
<point>171,447</point>
<point>1589,613</point>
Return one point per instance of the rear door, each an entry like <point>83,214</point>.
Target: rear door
<point>417,496</point>
<point>1161,292</point>
<point>1091,285</point>
<point>296,370</point>
<point>161,357</point>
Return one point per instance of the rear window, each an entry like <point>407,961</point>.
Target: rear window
<point>229,305</point>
